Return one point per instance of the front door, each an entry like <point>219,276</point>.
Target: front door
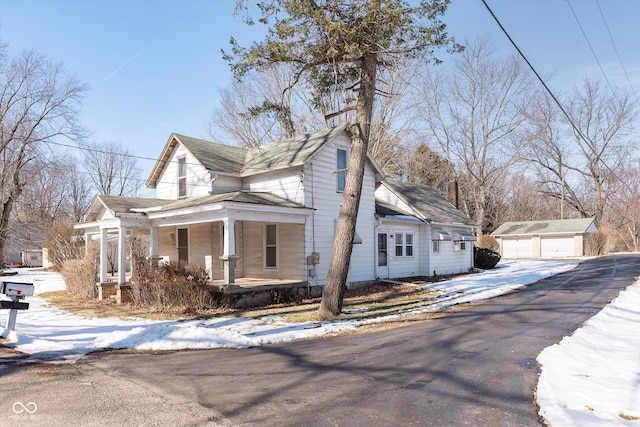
<point>383,262</point>
<point>183,245</point>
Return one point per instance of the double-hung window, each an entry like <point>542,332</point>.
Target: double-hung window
<point>182,177</point>
<point>459,246</point>
<point>341,168</point>
<point>271,246</point>
<point>404,244</point>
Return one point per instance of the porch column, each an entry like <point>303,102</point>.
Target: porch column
<point>87,238</point>
<point>122,255</point>
<point>229,257</point>
<point>153,246</point>
<point>104,263</point>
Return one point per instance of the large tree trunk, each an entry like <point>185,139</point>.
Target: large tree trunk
<point>333,292</point>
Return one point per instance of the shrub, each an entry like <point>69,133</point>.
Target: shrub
<point>486,259</point>
<point>171,286</point>
<point>63,243</point>
<point>80,275</point>
<point>595,243</point>
<point>489,242</point>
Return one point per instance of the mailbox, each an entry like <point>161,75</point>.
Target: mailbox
<point>14,289</point>
<point>17,291</point>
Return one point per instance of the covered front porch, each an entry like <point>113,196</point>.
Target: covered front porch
<point>241,243</point>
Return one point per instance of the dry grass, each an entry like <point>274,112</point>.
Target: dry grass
<point>109,308</point>
<point>362,304</point>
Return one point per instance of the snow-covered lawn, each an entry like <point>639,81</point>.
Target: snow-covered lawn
<point>591,378</point>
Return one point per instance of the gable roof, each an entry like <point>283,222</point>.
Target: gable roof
<point>214,156</point>
<point>427,203</point>
<point>121,204</point>
<point>557,226</point>
<point>231,160</point>
<point>251,197</point>
<point>290,152</point>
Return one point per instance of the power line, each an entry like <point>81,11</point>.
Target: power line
<point>573,125</point>
<point>593,52</point>
<point>615,48</point>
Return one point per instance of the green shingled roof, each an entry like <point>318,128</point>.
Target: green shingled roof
<point>428,203</point>
<point>288,153</point>
<point>119,204</point>
<point>257,198</point>
<point>559,226</point>
<point>235,160</point>
<point>213,156</point>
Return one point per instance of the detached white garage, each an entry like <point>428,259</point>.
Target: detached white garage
<point>544,239</point>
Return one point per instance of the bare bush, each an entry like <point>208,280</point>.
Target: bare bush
<point>80,275</point>
<point>64,243</point>
<point>595,243</point>
<point>489,242</point>
<point>171,286</point>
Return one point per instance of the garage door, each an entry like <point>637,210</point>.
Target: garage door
<point>517,248</point>
<point>557,247</point>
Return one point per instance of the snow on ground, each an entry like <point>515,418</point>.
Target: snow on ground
<point>47,332</point>
<point>589,379</point>
<point>592,378</point>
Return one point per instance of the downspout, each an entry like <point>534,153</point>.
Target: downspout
<point>313,226</point>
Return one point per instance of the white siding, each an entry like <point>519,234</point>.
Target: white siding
<point>198,179</point>
<point>286,183</point>
<point>320,186</point>
<point>404,266</point>
<point>384,194</point>
<point>448,260</point>
<point>226,184</point>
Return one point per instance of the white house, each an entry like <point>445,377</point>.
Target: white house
<point>544,239</point>
<point>270,213</point>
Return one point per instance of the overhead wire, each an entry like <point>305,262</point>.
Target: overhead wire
<point>555,99</point>
<point>593,52</point>
<point>544,84</point>
<point>615,48</point>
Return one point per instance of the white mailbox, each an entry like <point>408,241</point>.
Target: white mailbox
<point>14,289</point>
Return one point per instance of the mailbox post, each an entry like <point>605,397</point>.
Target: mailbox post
<point>16,291</point>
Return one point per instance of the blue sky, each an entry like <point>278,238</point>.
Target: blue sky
<point>155,66</point>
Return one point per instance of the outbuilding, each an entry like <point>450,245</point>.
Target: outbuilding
<point>544,239</point>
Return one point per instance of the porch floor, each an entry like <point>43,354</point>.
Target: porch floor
<point>249,284</point>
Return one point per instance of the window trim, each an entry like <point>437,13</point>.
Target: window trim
<point>435,246</point>
<point>459,246</point>
<point>341,166</point>
<point>265,246</point>
<point>182,176</point>
<point>401,237</point>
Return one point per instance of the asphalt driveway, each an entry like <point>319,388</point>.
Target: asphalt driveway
<point>475,365</point>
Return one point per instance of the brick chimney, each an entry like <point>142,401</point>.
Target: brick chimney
<point>453,193</point>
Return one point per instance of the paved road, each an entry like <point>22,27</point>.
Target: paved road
<point>474,366</point>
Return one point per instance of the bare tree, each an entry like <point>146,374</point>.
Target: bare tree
<point>264,108</point>
<point>39,103</point>
<point>605,121</point>
<point>622,218</point>
<point>259,109</point>
<point>474,114</point>
<point>112,168</point>
<point>578,161</point>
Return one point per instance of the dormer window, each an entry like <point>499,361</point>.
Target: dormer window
<point>341,168</point>
<point>182,177</point>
